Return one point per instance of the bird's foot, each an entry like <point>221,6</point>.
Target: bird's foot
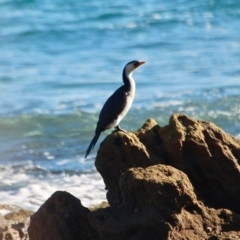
<point>117,128</point>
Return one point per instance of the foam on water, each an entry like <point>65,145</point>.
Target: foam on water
<point>30,192</point>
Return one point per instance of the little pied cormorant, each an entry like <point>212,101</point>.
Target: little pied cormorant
<point>117,105</point>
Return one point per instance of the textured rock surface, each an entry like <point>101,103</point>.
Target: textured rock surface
<point>209,156</point>
<point>61,217</point>
<point>152,186</point>
<point>177,182</point>
<point>159,203</point>
<point>120,223</point>
<point>121,151</point>
<point>14,222</point>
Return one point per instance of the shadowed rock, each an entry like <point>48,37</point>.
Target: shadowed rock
<point>209,156</point>
<point>159,203</point>
<point>61,217</point>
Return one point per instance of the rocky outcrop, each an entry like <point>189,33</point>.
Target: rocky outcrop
<point>177,182</point>
<point>147,211</point>
<point>159,203</point>
<point>61,217</point>
<point>209,156</point>
<point>121,151</point>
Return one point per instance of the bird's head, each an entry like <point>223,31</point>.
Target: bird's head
<point>131,66</point>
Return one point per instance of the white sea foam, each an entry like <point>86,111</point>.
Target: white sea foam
<point>30,192</point>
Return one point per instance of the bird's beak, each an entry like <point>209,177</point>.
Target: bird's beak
<point>140,63</point>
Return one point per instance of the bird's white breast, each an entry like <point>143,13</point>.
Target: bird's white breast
<point>129,99</point>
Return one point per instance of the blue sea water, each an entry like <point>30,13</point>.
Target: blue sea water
<point>60,60</point>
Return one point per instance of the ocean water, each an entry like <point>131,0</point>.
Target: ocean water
<point>60,60</point>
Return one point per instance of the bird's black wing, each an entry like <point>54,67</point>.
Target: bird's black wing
<point>112,108</point>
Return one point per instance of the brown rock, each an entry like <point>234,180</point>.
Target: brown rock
<point>61,217</point>
<point>149,199</point>
<point>148,136</point>
<point>161,186</point>
<point>159,203</point>
<point>121,151</point>
<point>209,156</point>
<point>119,223</point>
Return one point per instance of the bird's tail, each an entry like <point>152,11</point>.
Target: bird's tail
<point>93,142</point>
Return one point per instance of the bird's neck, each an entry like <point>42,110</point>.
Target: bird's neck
<point>129,82</point>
